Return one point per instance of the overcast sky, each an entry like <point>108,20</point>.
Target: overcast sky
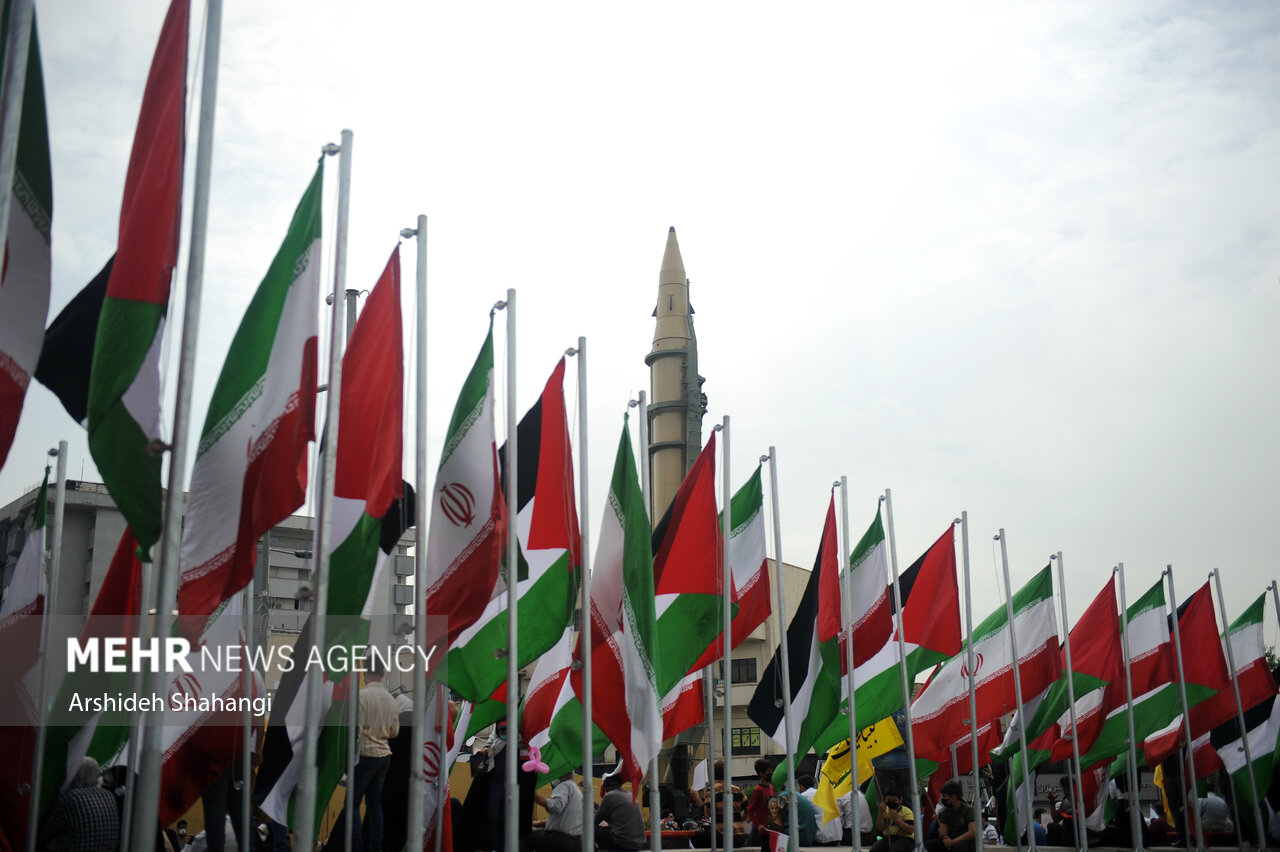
<point>1015,259</point>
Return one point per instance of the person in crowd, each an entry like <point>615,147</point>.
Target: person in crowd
<point>379,722</point>
<point>1213,810</point>
<point>621,825</point>
<point>562,831</point>
<point>828,834</point>
<point>990,834</point>
<point>1061,830</point>
<point>855,815</point>
<point>806,823</point>
<point>956,829</point>
<point>758,805</point>
<point>713,797</point>
<point>177,835</point>
<point>895,823</point>
<point>775,817</point>
<point>669,822</point>
<point>85,817</point>
<point>893,768</point>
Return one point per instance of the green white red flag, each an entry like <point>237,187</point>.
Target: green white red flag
<point>24,281</point>
<point>124,388</point>
<point>251,464</point>
<point>624,629</point>
<point>547,529</point>
<point>468,515</point>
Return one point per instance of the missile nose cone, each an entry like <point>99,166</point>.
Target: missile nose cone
<point>672,271</point>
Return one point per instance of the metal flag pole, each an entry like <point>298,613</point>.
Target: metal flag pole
<point>246,715</point>
<point>655,813</point>
<point>850,660</point>
<point>584,636</point>
<point>1275,596</point>
<point>348,801</point>
<point>793,839</point>
<point>1077,791</point>
<point>443,766</point>
<point>973,698</point>
<point>16,52</point>
<point>511,839</point>
<point>907,686</point>
<point>305,808</point>
<point>147,802</point>
<point>46,638</point>
<point>1017,692</point>
<point>726,637</point>
<point>417,776</point>
<point>1244,730</point>
<point>1186,715</point>
<point>1132,758</point>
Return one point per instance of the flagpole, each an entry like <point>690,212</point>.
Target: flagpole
<point>348,800</point>
<point>46,637</point>
<point>793,840</point>
<point>147,801</point>
<point>17,51</point>
<point>442,781</point>
<point>1244,730</point>
<point>726,638</point>
<point>850,660</point>
<point>417,776</point>
<point>584,636</point>
<point>1017,692</point>
<point>907,686</point>
<point>305,808</point>
<point>978,823</point>
<point>1275,596</point>
<point>246,715</point>
<point>1076,823</point>
<point>512,831</point>
<point>655,818</point>
<point>1188,784</point>
<point>1132,758</point>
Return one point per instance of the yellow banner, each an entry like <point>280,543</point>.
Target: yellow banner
<point>835,779</point>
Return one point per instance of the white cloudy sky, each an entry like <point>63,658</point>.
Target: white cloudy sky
<point>1019,259</point>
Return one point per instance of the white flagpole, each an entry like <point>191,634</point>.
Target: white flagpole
<point>1132,758</point>
<point>511,840</point>
<point>902,667</point>
<point>443,767</point>
<point>727,639</point>
<point>845,552</point>
<point>1078,786</point>
<point>793,839</point>
<point>348,800</point>
<point>246,716</point>
<point>47,637</point>
<point>584,635</point>
<point>1275,596</point>
<point>1017,692</point>
<point>305,808</point>
<point>1244,730</point>
<point>17,50</point>
<point>655,817</point>
<point>973,698</point>
<point>422,500</point>
<point>1187,784</point>
<point>147,801</point>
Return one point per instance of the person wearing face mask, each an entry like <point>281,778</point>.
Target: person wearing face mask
<point>955,822</point>
<point>896,825</point>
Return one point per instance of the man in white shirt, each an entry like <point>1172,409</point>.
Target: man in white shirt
<point>379,722</point>
<point>563,829</point>
<point>829,834</point>
<point>848,803</point>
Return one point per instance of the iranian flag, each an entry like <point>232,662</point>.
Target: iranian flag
<point>124,385</point>
<point>551,715</point>
<point>24,281</point>
<point>687,548</point>
<point>467,511</point>
<point>624,625</point>
<point>748,566</point>
<point>931,630</point>
<point>813,660</point>
<point>251,464</point>
<point>1209,692</point>
<point>23,604</point>
<point>682,706</point>
<point>547,529</point>
<point>369,454</point>
<point>939,714</point>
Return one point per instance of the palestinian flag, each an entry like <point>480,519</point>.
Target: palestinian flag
<point>547,529</point>
<point>1252,672</point>
<point>687,548</point>
<point>624,627</point>
<point>748,566</point>
<point>24,281</point>
<point>251,463</point>
<point>66,355</point>
<point>1262,722</point>
<point>124,386</point>
<point>931,629</point>
<point>939,713</point>
<point>467,512</point>
<point>813,660</point>
<point>1205,668</point>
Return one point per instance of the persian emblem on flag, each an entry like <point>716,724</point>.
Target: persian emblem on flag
<point>185,686</point>
<point>977,666</point>
<point>458,504</point>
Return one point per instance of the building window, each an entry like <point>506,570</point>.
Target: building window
<point>746,741</point>
<point>744,670</point>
